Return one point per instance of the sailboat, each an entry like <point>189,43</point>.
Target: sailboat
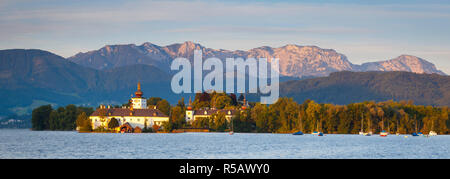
<point>383,133</point>
<point>232,129</point>
<point>397,133</point>
<point>317,132</point>
<point>301,127</point>
<point>415,134</point>
<point>361,132</point>
<point>432,132</point>
<point>369,133</point>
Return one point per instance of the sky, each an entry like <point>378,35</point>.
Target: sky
<point>364,31</point>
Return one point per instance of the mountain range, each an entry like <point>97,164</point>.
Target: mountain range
<point>350,87</point>
<point>295,60</point>
<point>29,78</point>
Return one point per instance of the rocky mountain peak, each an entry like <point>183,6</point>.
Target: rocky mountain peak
<point>407,63</point>
<point>295,60</point>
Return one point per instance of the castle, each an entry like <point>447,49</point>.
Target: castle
<point>192,115</point>
<point>138,116</point>
<point>131,119</point>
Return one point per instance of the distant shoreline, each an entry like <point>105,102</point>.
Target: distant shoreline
<point>185,132</point>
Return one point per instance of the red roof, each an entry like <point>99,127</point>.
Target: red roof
<point>212,111</point>
<point>126,112</point>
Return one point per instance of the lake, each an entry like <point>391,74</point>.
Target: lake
<point>23,143</point>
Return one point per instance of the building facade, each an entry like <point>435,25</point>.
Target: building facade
<point>192,115</point>
<point>138,115</point>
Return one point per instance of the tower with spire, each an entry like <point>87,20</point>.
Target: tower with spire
<point>244,104</point>
<point>189,111</point>
<point>138,102</point>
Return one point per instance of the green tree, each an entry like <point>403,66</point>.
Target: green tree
<point>259,114</point>
<point>153,101</point>
<point>163,106</point>
<point>181,103</point>
<point>220,122</point>
<point>113,123</point>
<point>167,126</point>
<point>221,101</point>
<point>177,117</point>
<point>83,122</point>
<point>40,117</point>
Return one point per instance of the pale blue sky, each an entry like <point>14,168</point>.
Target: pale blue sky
<point>362,30</point>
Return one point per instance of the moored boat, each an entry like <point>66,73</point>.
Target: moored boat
<point>432,132</point>
<point>317,131</point>
<point>361,132</point>
<point>301,127</point>
<point>415,134</point>
<point>383,133</point>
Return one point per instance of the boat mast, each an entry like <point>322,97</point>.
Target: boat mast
<point>317,125</point>
<point>432,124</point>
<point>415,119</point>
<point>301,124</point>
<point>232,129</point>
<point>389,126</point>
<point>362,122</point>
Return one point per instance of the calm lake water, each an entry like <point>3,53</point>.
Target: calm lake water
<point>19,143</point>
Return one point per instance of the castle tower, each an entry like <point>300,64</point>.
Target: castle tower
<point>138,102</point>
<point>189,111</point>
<point>244,104</point>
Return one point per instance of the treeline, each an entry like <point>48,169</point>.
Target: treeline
<point>395,117</point>
<point>62,118</point>
<point>217,122</point>
<point>286,116</point>
<point>346,87</point>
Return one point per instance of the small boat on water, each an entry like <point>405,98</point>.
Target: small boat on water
<point>432,133</point>
<point>367,134</point>
<point>415,134</point>
<point>383,133</point>
<point>301,128</point>
<point>361,132</point>
<point>317,131</point>
<point>231,127</point>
